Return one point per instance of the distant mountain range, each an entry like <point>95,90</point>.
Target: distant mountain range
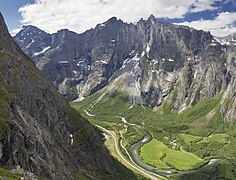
<point>149,61</point>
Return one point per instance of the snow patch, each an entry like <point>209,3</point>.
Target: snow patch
<point>81,98</point>
<point>135,58</point>
<point>227,41</point>
<point>80,63</point>
<point>41,52</point>
<point>143,53</point>
<point>32,41</point>
<point>101,25</point>
<point>213,44</point>
<point>171,60</point>
<point>63,62</point>
<point>155,61</point>
<point>103,62</point>
<point>148,49</point>
<point>71,139</point>
<point>132,52</point>
<point>127,61</point>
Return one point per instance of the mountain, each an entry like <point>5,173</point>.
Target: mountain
<point>151,61</point>
<point>228,40</point>
<point>174,80</point>
<point>34,42</point>
<point>39,131</point>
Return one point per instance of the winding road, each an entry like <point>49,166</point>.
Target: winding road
<point>135,163</point>
<point>133,166</point>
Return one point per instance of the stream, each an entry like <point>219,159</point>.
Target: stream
<point>134,154</point>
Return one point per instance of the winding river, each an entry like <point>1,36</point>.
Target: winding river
<point>133,152</point>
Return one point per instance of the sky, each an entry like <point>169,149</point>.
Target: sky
<point>216,16</point>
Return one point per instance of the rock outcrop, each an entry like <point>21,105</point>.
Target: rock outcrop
<point>153,60</point>
<point>39,131</point>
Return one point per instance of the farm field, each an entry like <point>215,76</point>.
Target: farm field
<point>196,144</point>
<point>161,156</point>
<point>221,138</point>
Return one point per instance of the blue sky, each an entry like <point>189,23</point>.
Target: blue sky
<point>217,16</point>
<point>224,6</point>
<point>9,9</point>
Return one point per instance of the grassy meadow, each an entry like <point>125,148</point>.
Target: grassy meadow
<point>161,156</point>
<point>198,138</point>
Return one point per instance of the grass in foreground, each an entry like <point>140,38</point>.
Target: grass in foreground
<point>153,152</point>
<point>183,160</point>
<point>6,174</point>
<point>161,156</point>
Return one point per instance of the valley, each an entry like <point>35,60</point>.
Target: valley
<point>173,150</point>
<point>118,90</point>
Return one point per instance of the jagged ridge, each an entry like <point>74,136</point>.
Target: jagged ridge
<point>153,60</point>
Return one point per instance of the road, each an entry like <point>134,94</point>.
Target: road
<point>119,153</point>
<point>117,148</point>
<point>132,165</point>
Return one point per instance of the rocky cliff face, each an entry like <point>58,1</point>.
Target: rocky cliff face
<point>151,60</point>
<point>34,42</point>
<point>38,129</point>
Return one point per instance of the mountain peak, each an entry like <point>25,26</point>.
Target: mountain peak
<point>3,26</point>
<point>5,42</point>
<point>111,20</point>
<point>30,28</point>
<point>152,18</point>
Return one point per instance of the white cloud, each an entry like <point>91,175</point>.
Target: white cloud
<point>15,31</point>
<point>222,25</point>
<point>202,5</point>
<point>80,15</point>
